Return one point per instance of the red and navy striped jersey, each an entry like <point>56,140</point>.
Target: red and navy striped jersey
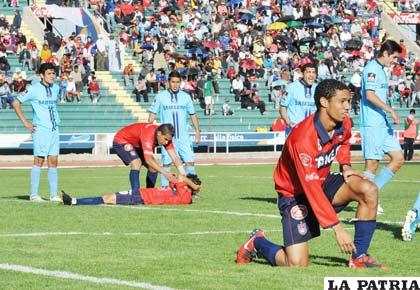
<point>141,135</point>
<point>305,163</point>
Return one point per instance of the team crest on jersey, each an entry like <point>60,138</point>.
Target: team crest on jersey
<point>302,228</point>
<point>299,212</point>
<point>371,77</point>
<point>128,147</point>
<point>305,159</point>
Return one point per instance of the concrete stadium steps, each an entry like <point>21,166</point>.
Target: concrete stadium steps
<point>109,80</point>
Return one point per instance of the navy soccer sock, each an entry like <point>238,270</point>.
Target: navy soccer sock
<point>363,232</point>
<point>134,180</point>
<point>267,249</point>
<point>151,179</point>
<point>89,200</point>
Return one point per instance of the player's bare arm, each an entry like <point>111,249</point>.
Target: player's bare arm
<point>152,118</point>
<point>283,115</point>
<point>18,109</point>
<point>196,125</point>
<point>371,97</point>
<point>151,163</point>
<point>177,161</point>
<point>344,240</point>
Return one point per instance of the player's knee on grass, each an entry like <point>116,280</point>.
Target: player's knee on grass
<point>109,198</point>
<point>297,255</point>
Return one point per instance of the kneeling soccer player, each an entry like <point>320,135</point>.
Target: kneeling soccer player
<point>309,195</point>
<point>179,192</point>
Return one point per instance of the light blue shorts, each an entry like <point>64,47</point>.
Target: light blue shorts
<point>183,148</point>
<point>378,141</point>
<point>46,142</point>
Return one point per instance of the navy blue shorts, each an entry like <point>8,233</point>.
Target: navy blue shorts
<point>298,219</point>
<point>128,153</point>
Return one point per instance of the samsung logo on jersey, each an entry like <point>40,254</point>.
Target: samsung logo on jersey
<point>304,103</point>
<point>174,107</point>
<point>326,158</point>
<point>47,102</point>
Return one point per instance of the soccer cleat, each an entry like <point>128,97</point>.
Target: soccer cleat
<point>67,200</point>
<point>365,261</point>
<point>246,252</point>
<point>380,210</point>
<point>409,226</point>
<point>56,199</point>
<point>36,198</point>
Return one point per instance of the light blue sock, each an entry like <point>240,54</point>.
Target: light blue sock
<point>416,204</point>
<point>53,180</point>
<point>190,170</point>
<point>383,178</point>
<point>163,180</point>
<point>35,175</point>
<point>369,175</point>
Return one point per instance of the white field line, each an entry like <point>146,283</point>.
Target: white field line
<point>73,276</point>
<point>201,233</point>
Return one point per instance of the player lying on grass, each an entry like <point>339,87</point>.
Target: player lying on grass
<point>309,195</point>
<point>179,192</point>
<point>412,219</point>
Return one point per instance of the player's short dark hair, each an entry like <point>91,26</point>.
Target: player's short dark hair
<point>412,111</point>
<point>44,67</point>
<point>390,46</point>
<point>167,129</point>
<point>327,89</point>
<point>194,178</point>
<point>309,65</point>
<point>174,74</point>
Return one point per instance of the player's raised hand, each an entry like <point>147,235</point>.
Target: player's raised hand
<point>344,240</point>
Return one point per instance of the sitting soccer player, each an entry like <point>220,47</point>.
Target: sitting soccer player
<point>412,219</point>
<point>309,195</point>
<point>180,192</point>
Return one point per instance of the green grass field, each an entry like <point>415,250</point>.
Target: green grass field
<point>183,247</point>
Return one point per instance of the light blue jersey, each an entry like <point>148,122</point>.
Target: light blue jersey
<point>299,101</point>
<point>44,105</point>
<point>374,78</point>
<point>174,108</point>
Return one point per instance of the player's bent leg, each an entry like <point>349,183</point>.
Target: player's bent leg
<point>151,178</point>
<point>296,255</point>
<point>397,160</point>
<point>134,174</point>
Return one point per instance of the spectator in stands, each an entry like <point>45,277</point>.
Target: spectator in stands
<point>19,81</point>
<point>208,91</point>
<point>112,54</point>
<point>17,21</point>
<point>151,82</point>
<point>4,24</point>
<point>5,92</point>
<point>25,59</point>
<point>226,109</point>
<point>63,88</point>
<point>355,86</point>
<point>35,57</point>
<point>260,104</point>
<point>237,87</point>
<point>45,53</point>
<point>101,54</point>
<point>72,91</point>
<point>77,76</point>
<point>140,89</point>
<point>411,126</point>
<point>93,88</point>
<point>128,75</point>
<point>161,80</point>
<point>4,63</point>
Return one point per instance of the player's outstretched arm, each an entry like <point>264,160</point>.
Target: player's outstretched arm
<point>151,162</point>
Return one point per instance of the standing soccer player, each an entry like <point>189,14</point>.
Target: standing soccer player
<point>299,102</point>
<point>309,195</point>
<point>377,134</point>
<point>44,128</point>
<point>174,106</point>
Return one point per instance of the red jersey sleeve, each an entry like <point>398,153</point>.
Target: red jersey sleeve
<point>169,146</point>
<point>148,140</point>
<point>309,179</point>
